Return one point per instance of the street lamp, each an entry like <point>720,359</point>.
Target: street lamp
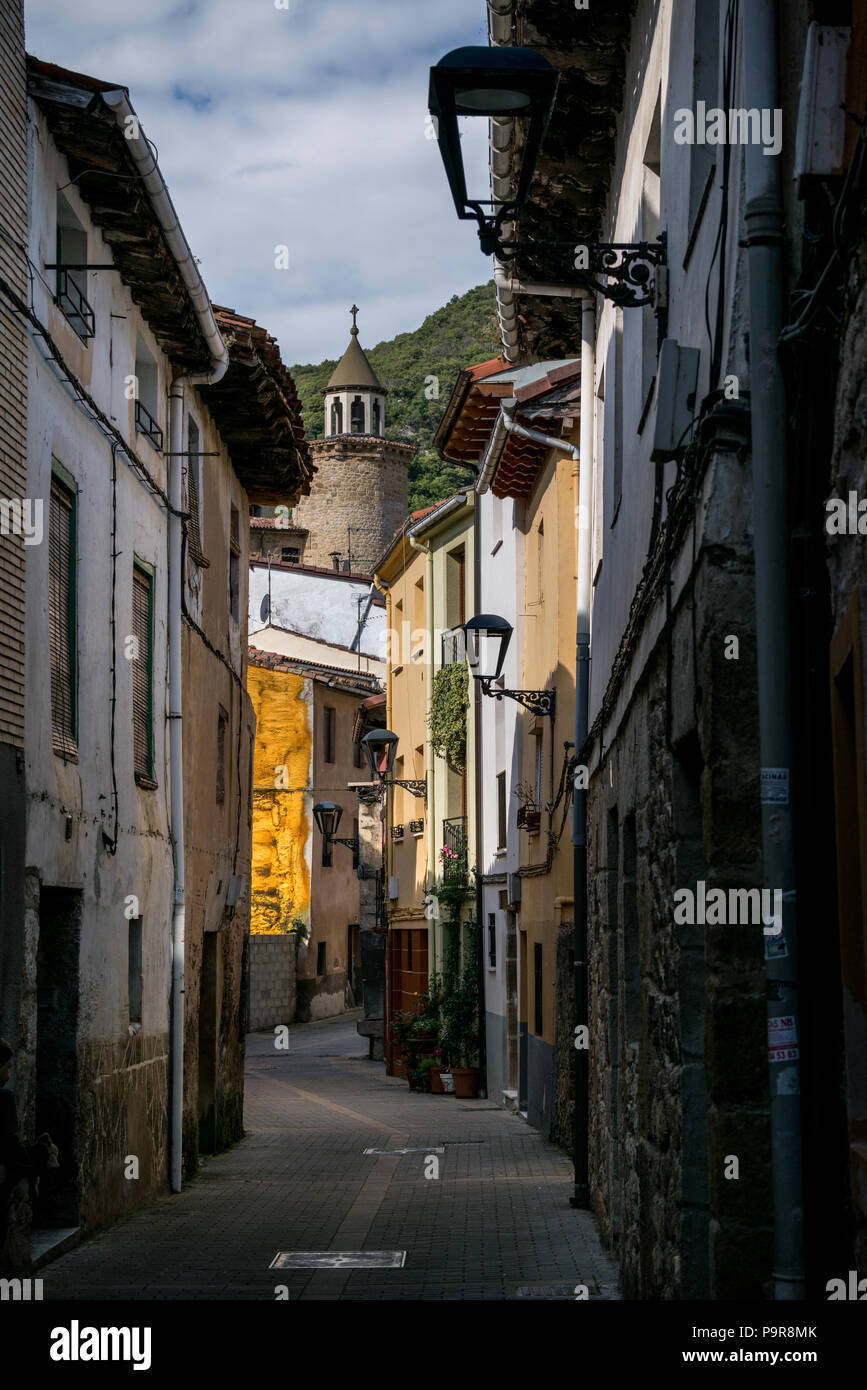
<point>327,817</point>
<point>496,83</point>
<point>487,640</point>
<point>382,744</point>
<point>502,83</point>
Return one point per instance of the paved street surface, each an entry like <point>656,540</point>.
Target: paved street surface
<point>495,1224</point>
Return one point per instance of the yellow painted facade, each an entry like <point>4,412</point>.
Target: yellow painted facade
<point>281,800</point>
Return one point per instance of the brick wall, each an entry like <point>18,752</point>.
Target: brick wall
<point>13,364</point>
<point>272,981</point>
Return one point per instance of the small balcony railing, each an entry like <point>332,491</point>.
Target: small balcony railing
<point>416,827</point>
<point>453,855</point>
<point>397,832</point>
<point>529,817</point>
<point>147,425</point>
<point>454,646</point>
<point>72,301</point>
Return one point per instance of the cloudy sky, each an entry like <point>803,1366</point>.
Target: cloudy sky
<point>301,126</point>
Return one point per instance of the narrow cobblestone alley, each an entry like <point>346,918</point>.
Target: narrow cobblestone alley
<point>496,1223</point>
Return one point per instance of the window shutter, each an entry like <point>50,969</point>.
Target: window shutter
<point>142,723</point>
<point>194,529</point>
<point>61,618</point>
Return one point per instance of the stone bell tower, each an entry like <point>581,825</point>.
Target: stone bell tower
<point>358,496</point>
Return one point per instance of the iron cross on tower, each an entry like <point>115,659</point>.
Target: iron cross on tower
<point>353,311</point>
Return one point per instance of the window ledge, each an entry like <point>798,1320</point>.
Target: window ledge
<point>496,546</point>
<point>146,784</point>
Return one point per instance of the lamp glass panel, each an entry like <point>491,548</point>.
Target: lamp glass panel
<point>486,652</point>
<point>492,101</point>
<point>475,152</point>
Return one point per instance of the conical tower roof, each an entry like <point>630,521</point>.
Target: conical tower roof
<point>353,371</point>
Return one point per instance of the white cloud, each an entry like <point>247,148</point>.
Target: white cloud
<point>302,127</point>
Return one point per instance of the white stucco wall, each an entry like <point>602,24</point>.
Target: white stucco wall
<point>142,865</point>
<point>501,544</point>
<point>657,63</point>
<point>316,605</point>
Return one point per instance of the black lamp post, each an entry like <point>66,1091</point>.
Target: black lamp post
<point>487,640</point>
<point>500,83</point>
<point>327,817</point>
<point>382,744</point>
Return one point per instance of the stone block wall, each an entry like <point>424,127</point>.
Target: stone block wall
<point>361,483</point>
<point>678,1061</point>
<point>272,981</point>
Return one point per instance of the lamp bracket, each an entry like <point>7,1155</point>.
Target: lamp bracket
<point>418,788</point>
<point>351,841</point>
<point>622,271</point>
<point>536,701</point>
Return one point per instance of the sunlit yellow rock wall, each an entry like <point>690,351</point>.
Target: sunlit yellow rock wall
<point>281,800</point>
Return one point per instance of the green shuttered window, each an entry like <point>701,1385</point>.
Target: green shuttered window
<point>62,619</point>
<point>142,675</point>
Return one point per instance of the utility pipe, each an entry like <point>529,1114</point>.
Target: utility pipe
<point>764,222</point>
<point>581,1194</point>
<point>158,195</point>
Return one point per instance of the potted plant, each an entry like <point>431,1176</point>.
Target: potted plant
<point>436,1070</point>
<point>461,1022</point>
<point>421,1077</point>
<point>529,814</point>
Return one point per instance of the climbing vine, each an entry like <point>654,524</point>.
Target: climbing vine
<point>448,714</point>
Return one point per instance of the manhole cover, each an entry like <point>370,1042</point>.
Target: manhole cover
<point>561,1291</point>
<point>338,1259</point>
<point>432,1149</point>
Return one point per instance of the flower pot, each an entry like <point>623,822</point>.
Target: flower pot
<point>447,1082</point>
<point>436,1085</point>
<point>466,1082</point>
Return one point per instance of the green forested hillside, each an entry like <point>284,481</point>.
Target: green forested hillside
<point>460,334</point>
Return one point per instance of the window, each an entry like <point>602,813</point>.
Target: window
<point>143,674</point>
<point>194,493</point>
<point>71,278</point>
<point>62,618</point>
<point>134,971</point>
<point>502,824</point>
<point>598,475</point>
<point>336,417</point>
<point>357,755</point>
<point>455,588</point>
<point>290,553</point>
<point>492,940</point>
<point>222,726</point>
<point>356,859</point>
<point>705,88</point>
<point>356,416</point>
<point>376,426</point>
<point>328,734</point>
<point>540,559</point>
<point>537,990</point>
<point>650,212</point>
<point>147,395</point>
<point>321,962</point>
<point>234,564</point>
<point>496,505</point>
<point>617,471</point>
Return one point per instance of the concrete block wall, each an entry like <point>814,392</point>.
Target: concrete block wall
<point>272,981</point>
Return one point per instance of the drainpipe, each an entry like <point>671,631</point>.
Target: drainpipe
<point>508,287</point>
<point>764,220</point>
<point>158,194</point>
<point>512,427</point>
<point>581,1194</point>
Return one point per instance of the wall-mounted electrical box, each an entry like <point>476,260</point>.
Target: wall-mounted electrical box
<point>821,135</point>
<point>676,385</point>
